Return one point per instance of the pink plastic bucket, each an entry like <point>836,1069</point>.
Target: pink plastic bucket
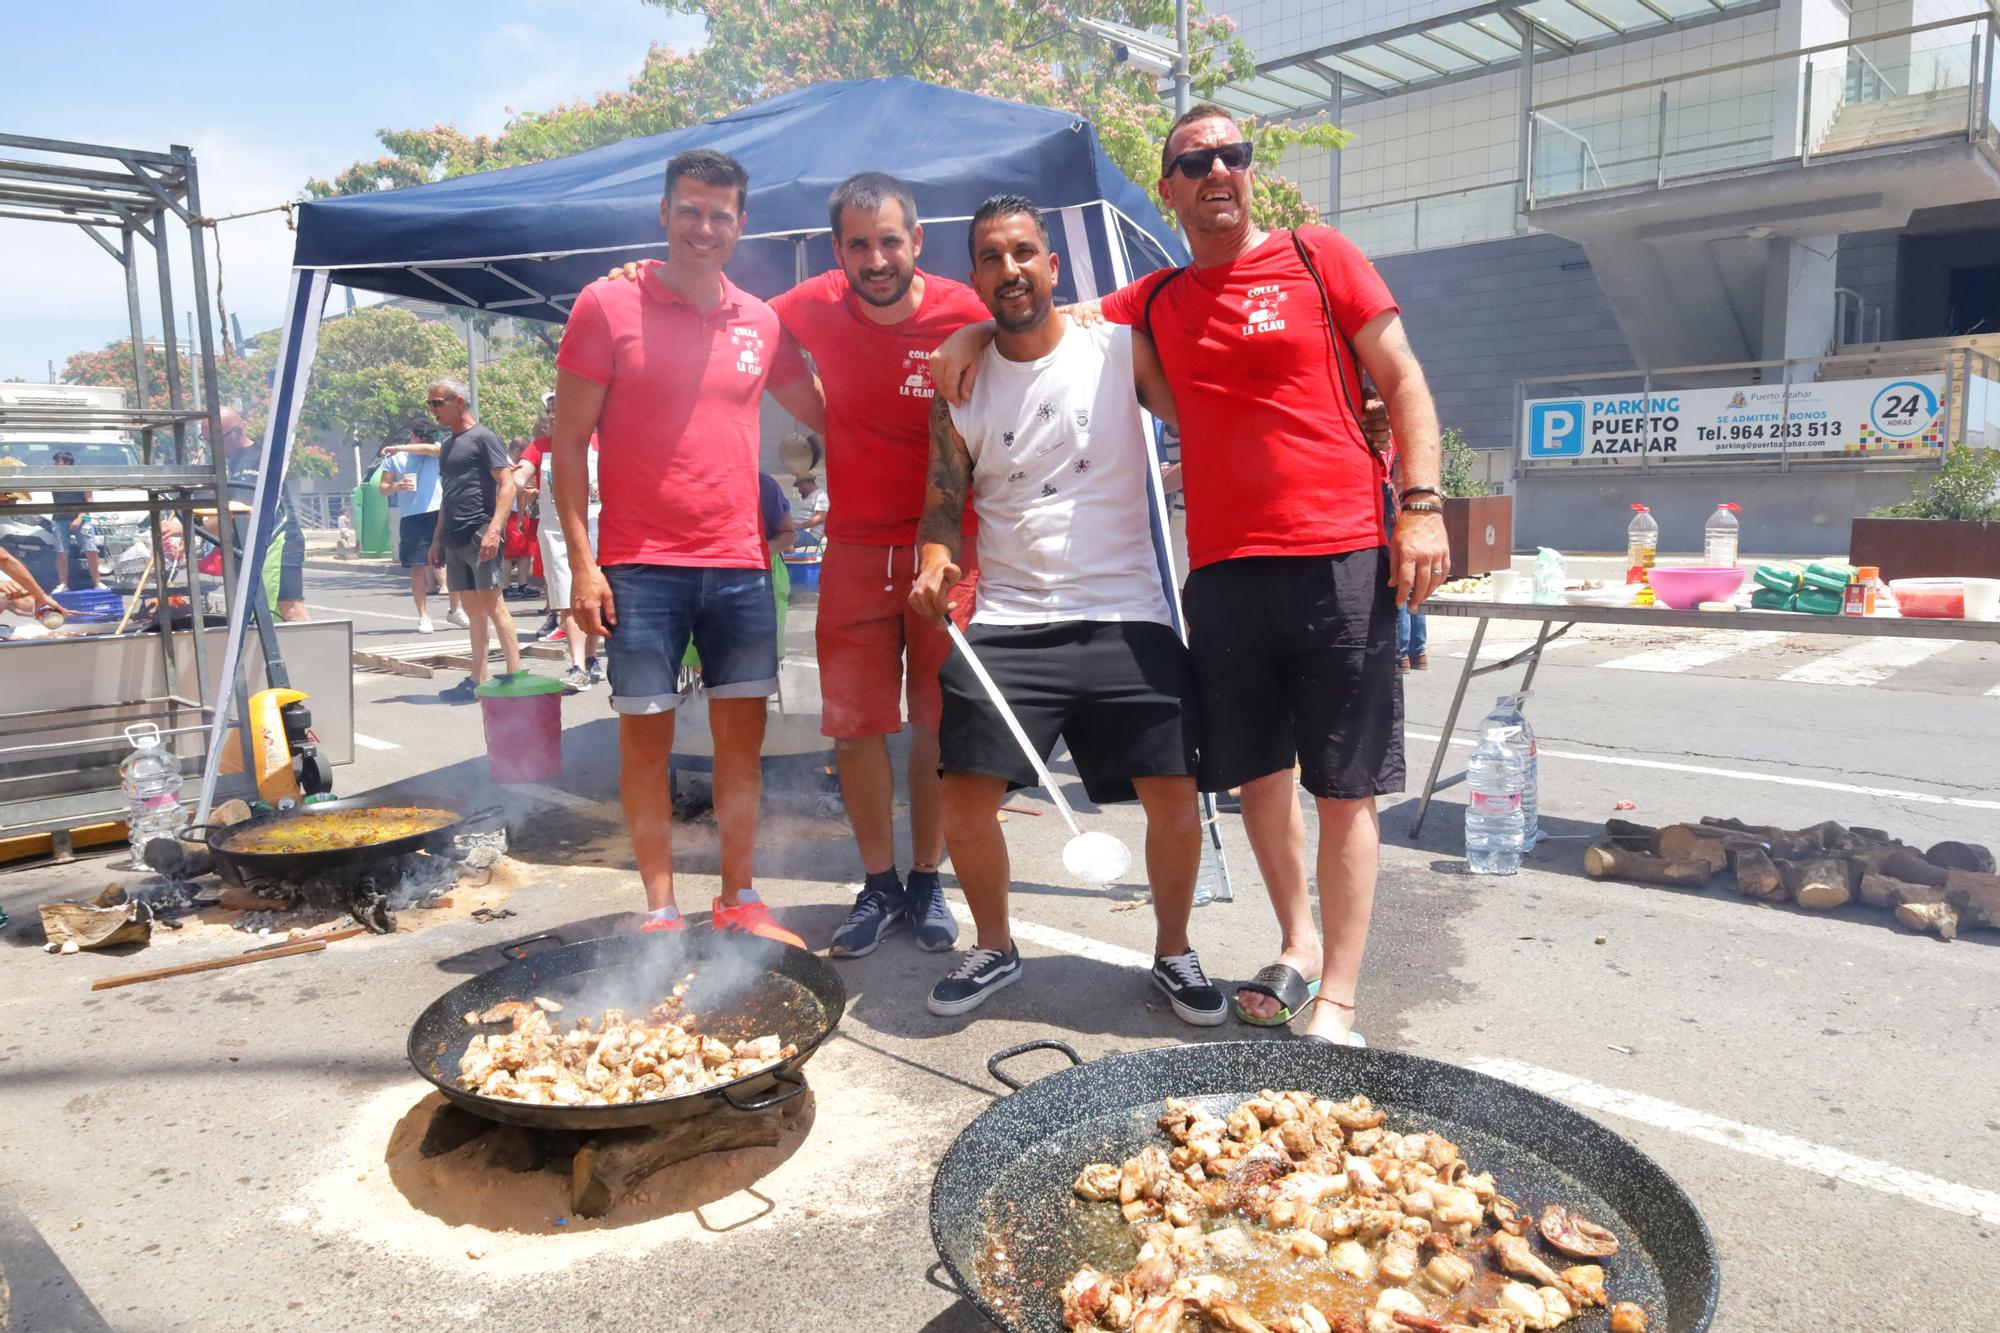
<point>523,733</point>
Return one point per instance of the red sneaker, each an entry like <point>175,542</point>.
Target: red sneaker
<point>751,917</point>
<point>653,923</point>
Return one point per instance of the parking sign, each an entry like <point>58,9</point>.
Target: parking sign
<point>1555,428</point>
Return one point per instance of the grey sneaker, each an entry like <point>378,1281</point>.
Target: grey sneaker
<point>575,680</point>
<point>878,912</point>
<point>980,973</point>
<point>930,918</point>
<point>595,665</point>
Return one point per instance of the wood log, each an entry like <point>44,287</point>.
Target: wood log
<point>1633,837</point>
<point>228,813</point>
<point>1604,862</point>
<point>1905,864</point>
<point>1975,897</point>
<point>1692,842</point>
<point>516,1148</point>
<point>451,1128</point>
<point>1757,875</point>
<point>1962,856</point>
<point>236,898</point>
<point>183,969</point>
<point>1819,885</point>
<point>1788,843</point>
<point>607,1168</point>
<point>1882,891</point>
<point>1938,918</point>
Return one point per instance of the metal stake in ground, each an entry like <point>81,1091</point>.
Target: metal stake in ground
<point>1096,857</point>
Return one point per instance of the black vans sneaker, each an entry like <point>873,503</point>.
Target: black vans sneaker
<point>1187,988</point>
<point>978,975</point>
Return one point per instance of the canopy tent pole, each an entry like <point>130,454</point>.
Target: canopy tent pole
<point>304,304</point>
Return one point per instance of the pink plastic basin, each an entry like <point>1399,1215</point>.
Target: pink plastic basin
<point>1686,588</point>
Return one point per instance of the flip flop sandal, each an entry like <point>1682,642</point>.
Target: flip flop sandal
<point>1282,983</point>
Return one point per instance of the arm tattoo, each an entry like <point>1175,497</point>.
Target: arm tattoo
<point>950,482</point>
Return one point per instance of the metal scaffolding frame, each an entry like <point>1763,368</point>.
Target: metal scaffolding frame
<point>119,197</point>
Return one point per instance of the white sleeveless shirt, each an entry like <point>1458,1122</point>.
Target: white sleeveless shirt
<point>1060,471</point>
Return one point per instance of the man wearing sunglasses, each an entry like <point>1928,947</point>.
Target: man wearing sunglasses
<point>1296,573</point>
<point>477,493</point>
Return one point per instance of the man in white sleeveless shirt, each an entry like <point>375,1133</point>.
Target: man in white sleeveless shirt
<point>1070,616</point>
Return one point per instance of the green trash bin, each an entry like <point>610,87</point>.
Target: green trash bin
<point>522,714</point>
<point>372,528</point>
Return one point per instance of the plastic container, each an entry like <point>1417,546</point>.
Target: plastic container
<point>1867,595</point>
<point>1719,536</point>
<point>1940,599</point>
<point>151,778</point>
<point>89,606</point>
<point>1982,599</point>
<point>1508,712</point>
<point>522,715</point>
<point>1642,543</point>
<point>1687,587</point>
<point>1494,831</point>
<point>1547,576</point>
<point>804,569</point>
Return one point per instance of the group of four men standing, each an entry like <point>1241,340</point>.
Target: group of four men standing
<point>1257,349</point>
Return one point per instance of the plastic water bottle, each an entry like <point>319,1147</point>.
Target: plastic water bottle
<point>1719,537</point>
<point>151,777</point>
<point>1508,712</point>
<point>1493,817</point>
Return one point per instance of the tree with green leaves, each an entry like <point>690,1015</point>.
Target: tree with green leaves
<point>371,372</point>
<point>511,389</point>
<point>1021,50</point>
<point>244,381</point>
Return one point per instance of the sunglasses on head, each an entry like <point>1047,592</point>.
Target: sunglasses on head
<point>1196,162</point>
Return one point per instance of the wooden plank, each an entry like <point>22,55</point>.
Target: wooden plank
<point>184,969</point>
<point>346,933</point>
<point>391,665</point>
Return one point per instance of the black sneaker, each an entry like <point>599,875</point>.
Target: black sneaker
<point>546,628</point>
<point>978,975</point>
<point>1194,997</point>
<point>461,693</point>
<point>878,912</point>
<point>930,918</point>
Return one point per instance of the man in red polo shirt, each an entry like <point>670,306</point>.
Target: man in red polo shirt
<point>668,371</point>
<point>1295,572</point>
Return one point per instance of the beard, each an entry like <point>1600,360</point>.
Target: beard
<point>902,289</point>
<point>1037,311</point>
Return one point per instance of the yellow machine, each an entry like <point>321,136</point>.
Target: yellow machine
<point>273,747</point>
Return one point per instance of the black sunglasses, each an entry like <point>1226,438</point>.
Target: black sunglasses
<point>1196,162</point>
<point>435,403</point>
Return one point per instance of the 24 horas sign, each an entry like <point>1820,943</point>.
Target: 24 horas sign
<point>1860,417</point>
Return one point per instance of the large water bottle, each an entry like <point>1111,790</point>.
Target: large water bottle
<point>1507,712</point>
<point>1720,537</point>
<point>1493,816</point>
<point>152,782</point>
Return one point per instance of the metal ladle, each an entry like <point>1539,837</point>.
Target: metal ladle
<point>1095,857</point>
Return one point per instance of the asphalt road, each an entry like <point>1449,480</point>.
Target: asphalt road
<point>205,1153</point>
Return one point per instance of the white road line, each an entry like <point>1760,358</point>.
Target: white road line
<point>1994,693</point>
<point>1778,779</point>
<point>345,611</point>
<point>536,791</point>
<point>1833,1163</point>
<point>1704,649</point>
<point>372,743</point>
<point>1048,937</point>
<point>1868,662</point>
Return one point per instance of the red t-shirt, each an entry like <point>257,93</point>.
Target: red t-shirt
<point>677,436</point>
<point>1273,459</point>
<point>877,380</point>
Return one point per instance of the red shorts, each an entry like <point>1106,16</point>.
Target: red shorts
<point>864,630</point>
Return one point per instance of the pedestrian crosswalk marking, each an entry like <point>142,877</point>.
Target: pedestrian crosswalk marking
<point>1704,649</point>
<point>1868,662</point>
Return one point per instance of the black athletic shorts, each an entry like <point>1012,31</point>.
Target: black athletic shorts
<point>1120,693</point>
<point>413,539</point>
<point>1295,657</point>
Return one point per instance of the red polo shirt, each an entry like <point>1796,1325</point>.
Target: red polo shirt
<point>677,436</point>
<point>1273,459</point>
<point>877,379</point>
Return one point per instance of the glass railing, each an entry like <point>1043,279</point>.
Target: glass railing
<point>1433,221</point>
<point>1925,82</point>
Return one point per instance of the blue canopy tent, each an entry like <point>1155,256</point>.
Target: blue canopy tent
<point>525,240</point>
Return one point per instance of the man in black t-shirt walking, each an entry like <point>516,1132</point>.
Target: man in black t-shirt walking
<point>478,493</point>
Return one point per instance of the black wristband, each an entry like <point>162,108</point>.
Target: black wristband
<point>1423,507</point>
<point>1421,490</point>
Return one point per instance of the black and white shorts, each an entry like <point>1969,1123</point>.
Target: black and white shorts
<point>1121,694</point>
<point>1296,659</point>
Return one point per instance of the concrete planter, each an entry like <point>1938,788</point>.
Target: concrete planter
<point>1481,533</point>
<point>1926,548</point>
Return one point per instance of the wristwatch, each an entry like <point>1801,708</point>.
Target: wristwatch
<point>1421,490</point>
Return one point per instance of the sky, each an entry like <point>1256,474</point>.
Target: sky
<point>268,95</point>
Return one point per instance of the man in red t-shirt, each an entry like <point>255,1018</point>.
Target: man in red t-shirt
<point>1296,573</point>
<point>668,372</point>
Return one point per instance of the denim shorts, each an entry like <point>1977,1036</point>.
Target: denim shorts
<point>729,614</point>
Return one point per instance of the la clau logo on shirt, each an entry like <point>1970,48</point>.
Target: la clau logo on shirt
<point>917,375</point>
<point>1261,309</point>
<point>749,344</point>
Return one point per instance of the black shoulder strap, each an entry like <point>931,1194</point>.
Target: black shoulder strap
<point>1146,316</point>
<point>1335,337</point>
